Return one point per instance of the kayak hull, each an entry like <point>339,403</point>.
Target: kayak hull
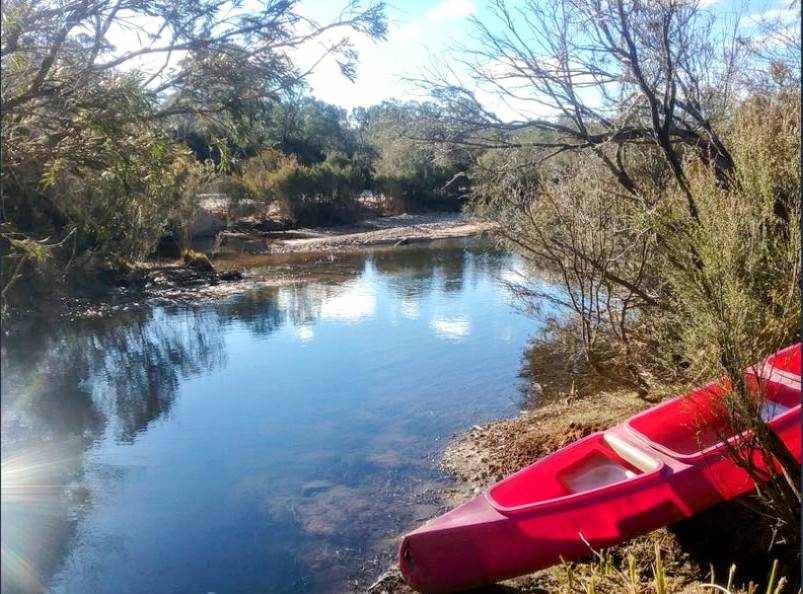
<point>510,529</point>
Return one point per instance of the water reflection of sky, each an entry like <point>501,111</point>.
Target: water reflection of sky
<point>274,442</point>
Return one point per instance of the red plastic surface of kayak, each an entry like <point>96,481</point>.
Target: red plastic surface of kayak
<point>590,494</point>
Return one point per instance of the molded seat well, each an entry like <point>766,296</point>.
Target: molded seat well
<point>597,461</point>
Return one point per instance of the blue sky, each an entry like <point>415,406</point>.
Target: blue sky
<point>421,31</point>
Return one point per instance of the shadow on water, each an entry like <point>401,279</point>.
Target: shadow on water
<point>270,442</point>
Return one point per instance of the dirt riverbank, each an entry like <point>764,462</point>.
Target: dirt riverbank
<point>242,261</point>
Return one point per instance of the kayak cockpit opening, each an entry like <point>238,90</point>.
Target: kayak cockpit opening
<point>596,462</point>
<point>694,424</point>
<point>600,470</point>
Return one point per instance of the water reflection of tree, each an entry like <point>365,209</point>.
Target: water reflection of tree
<point>137,356</point>
<point>49,418</point>
<point>409,273</point>
<point>63,385</point>
<point>145,361</point>
<point>70,384</point>
<point>258,310</point>
<point>414,271</point>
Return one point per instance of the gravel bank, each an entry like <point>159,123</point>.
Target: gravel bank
<point>401,229</point>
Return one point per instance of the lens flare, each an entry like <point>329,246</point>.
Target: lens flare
<point>32,498</point>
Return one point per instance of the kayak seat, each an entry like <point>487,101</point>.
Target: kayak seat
<point>594,462</point>
<point>779,398</point>
<point>631,453</point>
<point>598,471</point>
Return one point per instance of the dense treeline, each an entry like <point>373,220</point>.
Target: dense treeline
<point>104,155</point>
<point>311,161</point>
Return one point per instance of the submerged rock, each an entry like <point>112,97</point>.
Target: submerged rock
<point>231,275</point>
<point>312,487</point>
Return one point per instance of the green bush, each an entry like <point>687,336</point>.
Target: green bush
<point>108,190</point>
<point>324,193</point>
<point>737,285</point>
<point>407,171</point>
<point>419,187</point>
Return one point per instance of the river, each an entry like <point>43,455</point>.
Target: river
<point>275,441</point>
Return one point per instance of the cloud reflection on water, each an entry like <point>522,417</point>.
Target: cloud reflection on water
<point>451,328</point>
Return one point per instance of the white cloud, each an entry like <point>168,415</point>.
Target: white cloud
<point>379,69</point>
<point>451,9</point>
<point>414,38</point>
<point>774,16</point>
<point>406,33</point>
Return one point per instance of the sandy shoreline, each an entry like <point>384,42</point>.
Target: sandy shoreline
<point>401,229</point>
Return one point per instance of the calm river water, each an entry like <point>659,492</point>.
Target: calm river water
<point>278,441</point>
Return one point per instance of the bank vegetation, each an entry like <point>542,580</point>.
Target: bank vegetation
<point>661,190</point>
<point>125,122</point>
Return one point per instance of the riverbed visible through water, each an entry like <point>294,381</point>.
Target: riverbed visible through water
<point>275,441</point>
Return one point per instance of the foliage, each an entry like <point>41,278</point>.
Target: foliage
<point>95,137</point>
<point>665,198</point>
<point>323,193</point>
<point>633,576</point>
<point>744,291</point>
<point>229,58</point>
<point>733,283</point>
<point>107,188</point>
<point>409,169</point>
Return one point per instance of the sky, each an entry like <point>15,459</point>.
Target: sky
<point>423,31</point>
<point>419,31</point>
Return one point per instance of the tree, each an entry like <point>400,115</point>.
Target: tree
<point>408,167</point>
<point>213,55</point>
<point>88,143</point>
<point>628,185</point>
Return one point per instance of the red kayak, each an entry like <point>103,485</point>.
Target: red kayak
<point>662,465</point>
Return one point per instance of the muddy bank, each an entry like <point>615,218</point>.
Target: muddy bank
<point>401,229</point>
<point>253,257</point>
<point>151,283</point>
<point>242,260</point>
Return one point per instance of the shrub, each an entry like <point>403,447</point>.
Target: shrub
<point>662,296</point>
<point>415,179</point>
<point>733,281</point>
<point>323,193</point>
<point>108,190</point>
